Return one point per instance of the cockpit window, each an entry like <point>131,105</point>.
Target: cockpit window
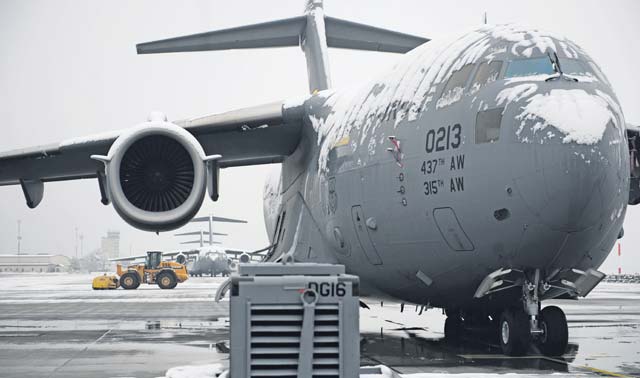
<point>574,67</point>
<point>530,67</point>
<point>543,66</point>
<point>488,125</point>
<point>488,72</point>
<point>455,86</point>
<point>598,72</point>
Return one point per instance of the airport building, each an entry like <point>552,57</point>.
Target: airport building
<point>40,263</point>
<point>110,245</point>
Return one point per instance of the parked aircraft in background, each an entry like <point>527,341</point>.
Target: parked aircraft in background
<point>211,260</point>
<point>483,174</point>
<point>178,256</point>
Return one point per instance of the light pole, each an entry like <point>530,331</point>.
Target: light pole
<point>19,236</point>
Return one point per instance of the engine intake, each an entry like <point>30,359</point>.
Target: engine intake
<point>156,175</point>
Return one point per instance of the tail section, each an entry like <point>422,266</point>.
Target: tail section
<point>210,219</point>
<point>314,44</point>
<point>313,32</point>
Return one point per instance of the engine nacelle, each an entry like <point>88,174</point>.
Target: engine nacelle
<point>245,258</point>
<point>156,175</point>
<point>181,258</point>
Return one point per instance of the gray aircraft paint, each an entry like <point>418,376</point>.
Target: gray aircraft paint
<point>352,189</point>
<point>565,201</point>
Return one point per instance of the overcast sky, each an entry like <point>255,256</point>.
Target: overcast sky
<point>68,68</point>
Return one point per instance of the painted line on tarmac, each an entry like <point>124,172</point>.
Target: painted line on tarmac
<point>79,352</point>
<point>562,362</point>
<point>589,368</point>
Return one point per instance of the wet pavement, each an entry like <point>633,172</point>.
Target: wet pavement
<point>56,326</point>
<point>604,339</point>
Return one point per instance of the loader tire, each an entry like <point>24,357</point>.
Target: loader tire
<point>166,280</point>
<point>130,281</point>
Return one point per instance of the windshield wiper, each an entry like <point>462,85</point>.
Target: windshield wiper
<point>555,63</point>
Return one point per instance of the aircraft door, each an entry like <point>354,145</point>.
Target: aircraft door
<point>362,233</point>
<point>451,229</point>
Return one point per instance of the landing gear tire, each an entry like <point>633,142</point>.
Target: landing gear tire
<point>555,337</point>
<point>513,333</point>
<point>166,280</point>
<point>130,281</point>
<point>453,329</point>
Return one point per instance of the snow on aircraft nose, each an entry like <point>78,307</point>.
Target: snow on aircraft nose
<point>570,145</point>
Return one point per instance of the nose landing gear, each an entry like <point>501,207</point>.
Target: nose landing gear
<point>519,327</point>
<point>554,339</point>
<point>513,333</point>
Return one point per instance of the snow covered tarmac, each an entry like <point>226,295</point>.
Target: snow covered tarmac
<point>54,325</point>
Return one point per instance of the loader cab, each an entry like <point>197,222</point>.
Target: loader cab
<point>153,259</point>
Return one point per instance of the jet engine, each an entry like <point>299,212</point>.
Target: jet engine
<point>245,258</point>
<point>181,258</point>
<point>156,175</point>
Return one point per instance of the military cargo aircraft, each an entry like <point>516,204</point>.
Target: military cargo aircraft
<point>209,259</point>
<point>483,174</point>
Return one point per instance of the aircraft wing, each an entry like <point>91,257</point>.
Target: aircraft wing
<point>129,258</point>
<point>254,135</point>
<point>200,232</point>
<point>186,253</point>
<point>164,254</point>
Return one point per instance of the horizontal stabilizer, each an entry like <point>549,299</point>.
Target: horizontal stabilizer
<point>280,33</point>
<point>286,33</point>
<point>351,35</point>
<point>218,219</point>
<point>199,232</point>
<point>198,242</point>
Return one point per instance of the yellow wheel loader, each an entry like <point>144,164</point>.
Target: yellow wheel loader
<point>166,274</point>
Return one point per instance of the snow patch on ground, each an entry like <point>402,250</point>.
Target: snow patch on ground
<point>380,371</point>
<point>195,371</point>
<point>582,117</point>
<point>385,372</point>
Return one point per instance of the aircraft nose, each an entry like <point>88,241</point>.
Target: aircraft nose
<point>570,179</point>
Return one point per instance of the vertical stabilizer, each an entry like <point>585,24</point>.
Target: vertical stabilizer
<point>314,44</point>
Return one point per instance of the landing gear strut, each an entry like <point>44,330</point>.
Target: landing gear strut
<point>520,326</point>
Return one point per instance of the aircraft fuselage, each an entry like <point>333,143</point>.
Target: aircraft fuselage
<point>471,155</point>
